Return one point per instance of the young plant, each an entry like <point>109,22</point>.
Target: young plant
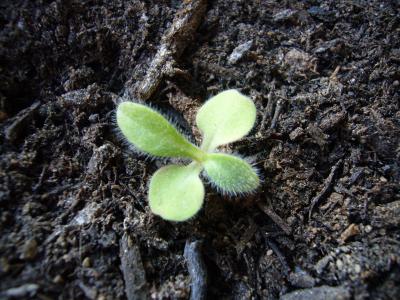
<point>176,192</point>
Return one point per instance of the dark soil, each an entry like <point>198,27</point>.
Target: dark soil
<point>324,75</point>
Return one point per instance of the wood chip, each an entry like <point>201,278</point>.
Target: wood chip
<point>328,184</point>
<point>274,217</point>
<point>197,270</point>
<point>177,38</point>
<point>350,231</point>
<point>132,269</point>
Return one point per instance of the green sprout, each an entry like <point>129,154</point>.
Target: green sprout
<point>176,192</point>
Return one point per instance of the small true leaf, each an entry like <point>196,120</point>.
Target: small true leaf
<point>150,132</point>
<point>230,173</point>
<point>225,118</point>
<point>176,192</point>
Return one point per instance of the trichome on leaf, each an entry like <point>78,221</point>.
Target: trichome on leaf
<point>176,192</point>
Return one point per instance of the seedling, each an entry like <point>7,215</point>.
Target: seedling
<point>176,192</point>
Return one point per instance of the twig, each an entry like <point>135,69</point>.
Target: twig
<point>197,270</point>
<point>328,184</point>
<point>23,291</point>
<point>247,236</point>
<point>281,257</point>
<point>40,181</point>
<point>274,217</point>
<point>270,105</point>
<point>20,123</point>
<point>132,269</point>
<point>278,109</point>
<point>268,109</point>
<point>173,43</point>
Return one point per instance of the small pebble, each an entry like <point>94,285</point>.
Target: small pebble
<point>368,228</point>
<point>239,52</point>
<point>357,268</point>
<point>58,279</point>
<point>339,264</point>
<point>30,249</point>
<point>86,263</point>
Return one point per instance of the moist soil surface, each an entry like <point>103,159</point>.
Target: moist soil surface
<point>74,217</point>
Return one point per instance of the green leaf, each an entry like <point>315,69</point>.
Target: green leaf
<point>225,118</point>
<point>230,173</point>
<point>150,132</point>
<point>176,192</point>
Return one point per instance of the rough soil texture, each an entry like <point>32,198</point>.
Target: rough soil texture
<point>324,75</point>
